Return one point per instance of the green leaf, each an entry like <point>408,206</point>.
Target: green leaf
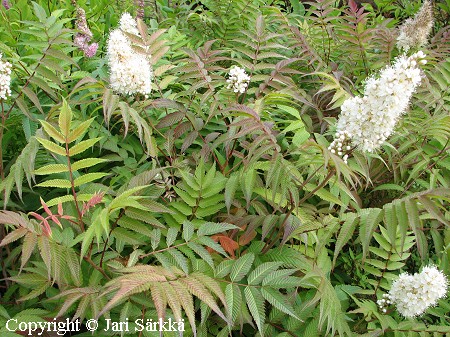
<point>39,11</point>
<point>415,224</point>
<point>68,198</point>
<point>369,219</point>
<point>182,207</point>
<point>181,260</point>
<point>202,252</point>
<point>323,194</point>
<point>83,146</point>
<point>224,268</point>
<point>135,226</point>
<point>156,238</point>
<point>233,298</point>
<point>28,246</point>
<point>275,298</point>
<point>211,228</point>
<point>192,202</point>
<point>230,190</point>
<point>188,230</point>
<point>345,234</point>
<point>127,236</point>
<point>144,216</point>
<point>257,275</point>
<point>203,212</point>
<point>88,236</point>
<point>38,290</point>
<point>79,131</point>
<point>52,147</point>
<point>199,290</point>
<point>88,162</point>
<point>52,132</point>
<point>248,183</point>
<point>73,265</point>
<point>190,180</point>
<point>4,313</point>
<point>52,168</point>
<point>13,236</point>
<point>241,267</point>
<point>255,303</point>
<point>207,241</point>
<point>65,117</point>
<point>172,234</point>
<point>121,199</point>
<point>59,183</point>
<point>87,178</point>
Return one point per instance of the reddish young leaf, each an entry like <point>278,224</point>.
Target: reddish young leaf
<point>353,5</point>
<point>96,199</point>
<point>46,209</point>
<point>55,220</point>
<point>228,244</point>
<point>60,209</point>
<point>37,216</point>
<point>46,230</point>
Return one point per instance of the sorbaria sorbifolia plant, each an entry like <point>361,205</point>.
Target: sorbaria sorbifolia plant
<point>244,168</point>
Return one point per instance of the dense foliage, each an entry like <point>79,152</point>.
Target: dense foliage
<point>225,208</point>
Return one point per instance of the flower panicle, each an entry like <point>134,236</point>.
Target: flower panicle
<point>415,31</point>
<point>140,9</point>
<point>130,71</point>
<point>5,78</point>
<point>238,79</point>
<point>414,294</point>
<point>84,35</point>
<point>366,122</point>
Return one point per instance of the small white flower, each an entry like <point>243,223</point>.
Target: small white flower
<point>238,79</point>
<point>340,143</point>
<point>5,78</point>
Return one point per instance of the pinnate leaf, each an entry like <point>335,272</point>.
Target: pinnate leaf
<point>83,146</point>
<point>255,303</point>
<point>241,267</point>
<point>52,147</point>
<point>65,118</point>
<point>52,168</point>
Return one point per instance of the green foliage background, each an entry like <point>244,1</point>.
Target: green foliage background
<point>225,210</point>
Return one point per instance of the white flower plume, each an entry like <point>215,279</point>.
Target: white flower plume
<point>130,71</point>
<point>366,122</point>
<point>5,78</point>
<point>414,32</point>
<point>413,294</point>
<point>238,79</point>
<point>128,24</point>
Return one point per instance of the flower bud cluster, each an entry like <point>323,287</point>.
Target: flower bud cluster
<point>140,4</point>
<point>5,78</point>
<point>413,294</point>
<point>384,302</point>
<point>130,70</point>
<point>341,145</point>
<point>414,32</point>
<point>84,35</point>
<point>369,120</point>
<point>238,79</point>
